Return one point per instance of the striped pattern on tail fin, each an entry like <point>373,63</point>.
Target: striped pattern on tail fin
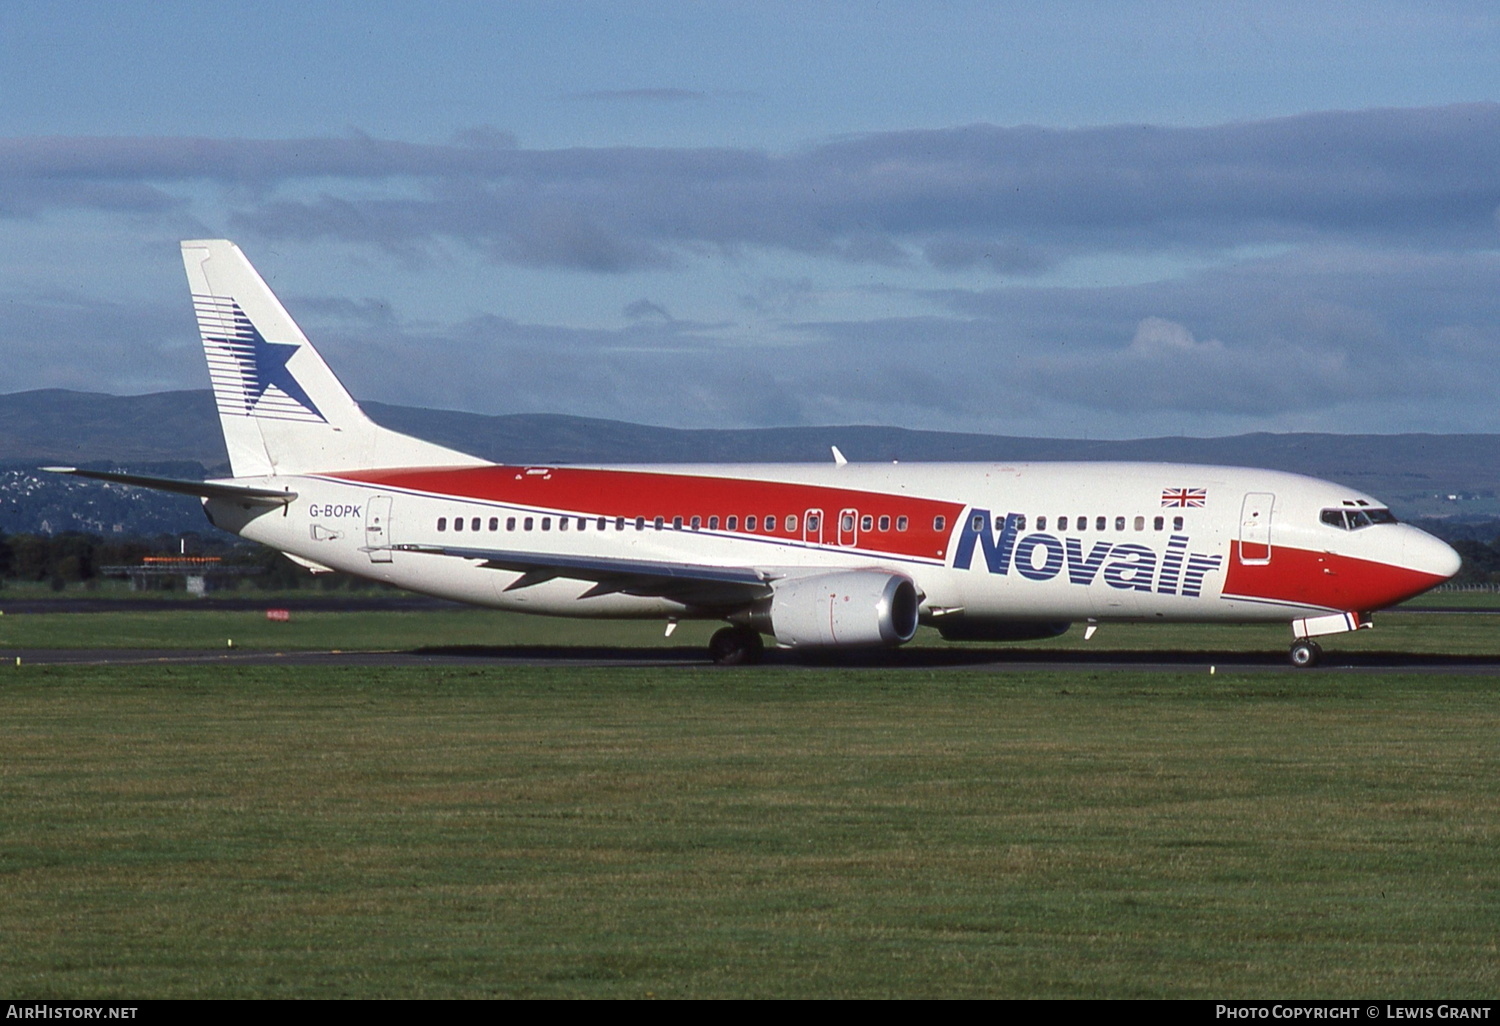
<point>250,375</point>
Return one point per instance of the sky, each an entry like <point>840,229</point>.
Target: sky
<point>1061,219</point>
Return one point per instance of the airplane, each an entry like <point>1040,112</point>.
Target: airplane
<point>813,556</point>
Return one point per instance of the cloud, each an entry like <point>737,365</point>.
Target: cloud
<point>1334,271</point>
<point>1338,339</point>
<point>1340,350</point>
<point>91,345</point>
<point>644,309</point>
<point>956,252</point>
<point>1157,338</point>
<point>1016,200</point>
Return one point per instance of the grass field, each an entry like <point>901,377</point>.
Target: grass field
<point>276,832</point>
<point>1456,634</point>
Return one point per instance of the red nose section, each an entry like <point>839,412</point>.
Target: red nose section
<point>1326,580</point>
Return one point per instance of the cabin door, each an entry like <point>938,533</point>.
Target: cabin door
<point>378,528</point>
<point>848,527</point>
<point>812,526</point>
<point>1255,529</point>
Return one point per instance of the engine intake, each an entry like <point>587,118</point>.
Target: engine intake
<point>854,607</point>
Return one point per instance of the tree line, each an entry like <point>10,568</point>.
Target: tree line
<point>72,557</point>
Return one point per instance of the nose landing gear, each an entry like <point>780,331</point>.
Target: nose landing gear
<point>1305,653</point>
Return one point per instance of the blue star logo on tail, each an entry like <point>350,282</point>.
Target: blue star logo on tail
<point>263,365</point>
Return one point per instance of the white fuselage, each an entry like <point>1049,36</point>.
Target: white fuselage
<point>1023,542</point>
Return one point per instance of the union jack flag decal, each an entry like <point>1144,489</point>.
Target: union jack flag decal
<point>1189,498</point>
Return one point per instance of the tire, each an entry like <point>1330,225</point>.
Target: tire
<point>1305,654</point>
<point>735,646</point>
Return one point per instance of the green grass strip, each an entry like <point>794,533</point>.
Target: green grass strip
<point>536,832</point>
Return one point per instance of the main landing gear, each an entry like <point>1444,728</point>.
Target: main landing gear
<point>1305,653</point>
<point>736,646</point>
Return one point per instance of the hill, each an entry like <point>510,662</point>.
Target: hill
<point>1427,475</point>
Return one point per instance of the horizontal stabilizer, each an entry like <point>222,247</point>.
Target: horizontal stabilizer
<point>202,489</point>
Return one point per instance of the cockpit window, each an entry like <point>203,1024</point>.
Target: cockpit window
<point>1354,519</point>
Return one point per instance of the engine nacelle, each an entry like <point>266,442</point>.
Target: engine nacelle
<point>853,607</point>
<point>967,628</point>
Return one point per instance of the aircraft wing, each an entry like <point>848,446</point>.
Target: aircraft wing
<point>690,583</point>
<point>202,489</point>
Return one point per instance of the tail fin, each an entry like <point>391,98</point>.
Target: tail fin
<point>282,410</point>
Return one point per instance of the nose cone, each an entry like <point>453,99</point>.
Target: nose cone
<point>1428,555</point>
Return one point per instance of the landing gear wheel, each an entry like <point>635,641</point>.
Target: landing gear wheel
<point>736,646</point>
<point>1305,654</point>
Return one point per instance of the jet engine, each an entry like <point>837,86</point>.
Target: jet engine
<point>854,607</point>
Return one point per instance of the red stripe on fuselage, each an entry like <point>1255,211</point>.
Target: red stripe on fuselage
<point>1323,579</point>
<point>650,494</point>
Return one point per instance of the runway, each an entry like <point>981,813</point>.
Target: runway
<point>995,660</point>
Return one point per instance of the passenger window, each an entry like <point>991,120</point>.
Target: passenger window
<point>1101,523</point>
<point>732,523</point>
<point>976,525</point>
<point>866,523</point>
<point>1158,523</point>
<point>713,523</point>
<point>697,523</point>
<point>791,524</point>
<point>562,523</point>
<point>546,523</point>
<point>900,523</point>
<point>458,523</point>
<point>1140,523</point>
<point>846,523</point>
<point>1176,523</point>
<point>769,523</point>
<point>659,523</point>
<point>1020,521</point>
<point>813,520</point>
<point>640,523</point>
<point>527,523</point>
<point>474,524</point>
<point>494,523</point>
<point>750,523</point>
<point>1062,523</point>
<point>619,523</point>
<point>885,523</point>
<point>510,523</point>
<point>939,523</point>
<point>442,523</point>
<point>1041,523</point>
<point>1119,523</point>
